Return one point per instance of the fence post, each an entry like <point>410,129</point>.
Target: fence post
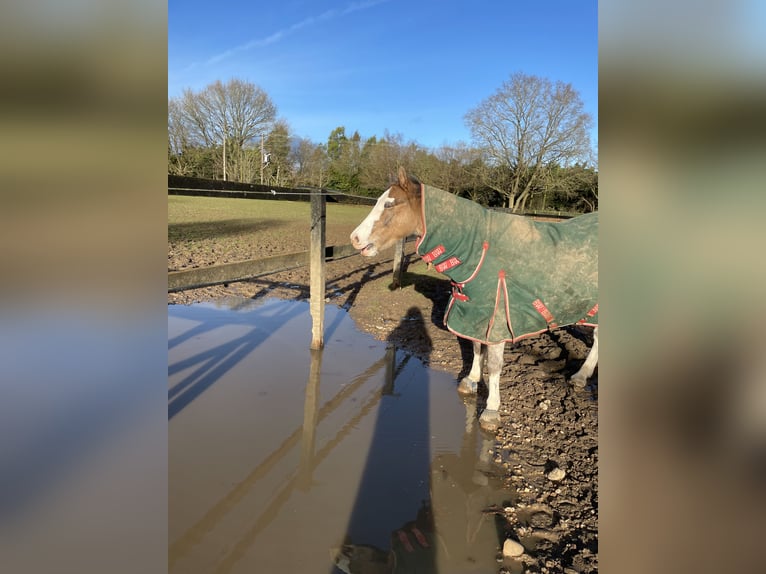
<point>398,258</point>
<point>317,270</point>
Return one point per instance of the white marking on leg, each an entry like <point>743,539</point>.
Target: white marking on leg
<point>494,366</point>
<point>582,376</point>
<point>476,366</point>
<point>469,384</point>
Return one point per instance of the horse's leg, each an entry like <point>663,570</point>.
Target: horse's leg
<point>469,384</point>
<point>490,418</point>
<point>580,378</point>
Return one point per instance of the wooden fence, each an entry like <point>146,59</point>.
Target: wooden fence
<point>250,269</point>
<point>316,257</point>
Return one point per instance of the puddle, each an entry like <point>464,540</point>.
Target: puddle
<point>278,455</point>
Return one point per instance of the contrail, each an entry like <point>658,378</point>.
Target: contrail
<point>275,37</point>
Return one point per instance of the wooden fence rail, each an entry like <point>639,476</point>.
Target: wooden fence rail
<point>243,270</point>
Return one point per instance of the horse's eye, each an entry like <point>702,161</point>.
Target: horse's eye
<point>389,204</point>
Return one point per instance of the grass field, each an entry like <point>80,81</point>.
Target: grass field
<point>209,230</point>
<point>196,218</point>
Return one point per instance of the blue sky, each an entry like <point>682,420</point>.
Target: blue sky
<point>410,67</point>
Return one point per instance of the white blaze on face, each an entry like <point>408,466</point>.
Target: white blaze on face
<point>360,237</point>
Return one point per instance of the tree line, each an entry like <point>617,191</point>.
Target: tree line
<point>530,150</point>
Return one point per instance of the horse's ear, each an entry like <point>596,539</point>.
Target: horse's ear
<point>404,181</point>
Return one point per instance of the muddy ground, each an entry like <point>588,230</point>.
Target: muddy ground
<point>547,423</point>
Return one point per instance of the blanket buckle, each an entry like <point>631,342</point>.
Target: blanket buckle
<point>457,292</point>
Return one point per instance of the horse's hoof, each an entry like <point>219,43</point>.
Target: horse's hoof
<point>579,382</point>
<point>489,420</point>
<point>467,386</point>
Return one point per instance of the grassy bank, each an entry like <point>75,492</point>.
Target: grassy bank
<point>198,218</point>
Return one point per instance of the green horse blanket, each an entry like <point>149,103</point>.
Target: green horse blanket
<point>512,277</point>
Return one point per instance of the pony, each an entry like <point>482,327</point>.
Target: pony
<point>511,277</point>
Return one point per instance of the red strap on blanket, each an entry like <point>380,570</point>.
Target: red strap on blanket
<point>457,292</point>
<point>405,541</point>
<point>448,264</point>
<point>419,535</point>
<point>434,253</point>
<point>590,314</point>
<point>544,311</point>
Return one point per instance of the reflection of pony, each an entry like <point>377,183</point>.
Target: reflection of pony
<point>512,277</point>
<point>412,550</point>
<point>361,559</point>
<point>455,531</point>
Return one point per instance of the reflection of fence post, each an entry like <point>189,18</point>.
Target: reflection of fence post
<point>316,257</point>
<point>388,383</point>
<point>310,411</point>
<point>398,258</point>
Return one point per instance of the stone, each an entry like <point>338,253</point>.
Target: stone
<point>557,474</point>
<point>512,549</point>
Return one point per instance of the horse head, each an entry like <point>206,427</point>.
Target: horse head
<point>396,215</point>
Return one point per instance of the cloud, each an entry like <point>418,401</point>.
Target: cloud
<point>275,37</point>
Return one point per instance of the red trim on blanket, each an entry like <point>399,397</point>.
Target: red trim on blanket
<point>449,308</point>
<point>500,289</point>
<point>457,286</point>
<point>422,217</point>
<point>592,312</point>
<point>484,249</point>
<point>501,276</point>
<point>514,340</point>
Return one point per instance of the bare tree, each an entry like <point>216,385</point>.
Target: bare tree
<point>228,115</point>
<point>278,171</point>
<point>455,161</point>
<point>319,166</point>
<point>300,157</point>
<point>179,143</point>
<point>380,160</point>
<point>527,126</point>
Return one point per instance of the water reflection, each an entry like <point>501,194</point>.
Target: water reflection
<point>310,414</point>
<point>379,453</point>
<point>394,488</point>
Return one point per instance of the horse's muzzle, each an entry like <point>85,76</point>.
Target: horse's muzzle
<point>368,250</point>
